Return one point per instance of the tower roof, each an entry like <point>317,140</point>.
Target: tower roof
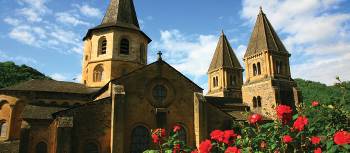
<point>121,12</point>
<point>264,38</point>
<point>224,57</point>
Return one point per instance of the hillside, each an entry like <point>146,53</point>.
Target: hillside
<point>315,91</point>
<point>11,74</point>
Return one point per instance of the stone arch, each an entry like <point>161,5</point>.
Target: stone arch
<point>3,128</point>
<point>98,73</point>
<point>41,147</point>
<point>183,134</point>
<point>258,68</point>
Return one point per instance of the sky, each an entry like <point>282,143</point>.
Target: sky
<point>47,34</point>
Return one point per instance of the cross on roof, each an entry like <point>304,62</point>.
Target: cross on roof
<point>160,55</point>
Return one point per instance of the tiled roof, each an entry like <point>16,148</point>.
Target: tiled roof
<point>264,38</point>
<point>51,86</point>
<point>224,57</point>
<point>40,112</point>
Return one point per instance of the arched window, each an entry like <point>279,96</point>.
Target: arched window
<point>259,68</point>
<point>41,147</point>
<point>254,70</point>
<point>124,46</point>
<point>91,148</point>
<point>102,46</point>
<point>255,102</point>
<point>183,134</point>
<point>159,93</point>
<point>3,128</point>
<point>259,101</point>
<point>98,73</point>
<point>216,81</point>
<point>140,139</point>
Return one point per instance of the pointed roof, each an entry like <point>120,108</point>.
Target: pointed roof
<point>121,12</point>
<point>224,57</point>
<point>264,37</point>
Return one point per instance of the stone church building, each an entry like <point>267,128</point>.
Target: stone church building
<point>122,97</point>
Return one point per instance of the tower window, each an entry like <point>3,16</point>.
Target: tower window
<point>102,49</point>
<point>255,71</point>
<point>279,67</point>
<point>259,68</point>
<point>159,93</point>
<point>215,81</point>
<point>124,46</point>
<point>259,101</point>
<point>98,73</point>
<point>255,103</point>
<point>233,80</point>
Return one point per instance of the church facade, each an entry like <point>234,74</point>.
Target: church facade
<point>122,97</point>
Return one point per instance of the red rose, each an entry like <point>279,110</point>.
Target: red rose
<point>162,132</point>
<point>155,138</point>
<point>315,103</point>
<point>287,139</point>
<point>318,150</point>
<point>300,123</point>
<point>217,135</point>
<point>284,113</point>
<point>205,146</point>
<point>194,151</point>
<point>341,137</point>
<point>228,136</point>
<point>176,128</point>
<point>315,140</point>
<point>255,118</point>
<point>176,148</point>
<point>232,150</point>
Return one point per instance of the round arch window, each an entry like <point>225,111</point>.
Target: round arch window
<point>160,93</point>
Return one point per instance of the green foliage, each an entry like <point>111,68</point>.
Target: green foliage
<point>11,74</point>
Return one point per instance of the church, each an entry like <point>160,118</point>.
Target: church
<point>122,96</point>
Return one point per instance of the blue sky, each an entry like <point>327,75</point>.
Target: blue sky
<point>47,34</point>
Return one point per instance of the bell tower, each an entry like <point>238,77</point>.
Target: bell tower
<point>268,77</point>
<point>225,72</point>
<point>115,47</point>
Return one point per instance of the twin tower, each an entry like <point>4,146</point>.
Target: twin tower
<point>117,46</point>
<point>267,71</point>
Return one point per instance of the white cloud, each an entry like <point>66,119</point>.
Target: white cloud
<point>59,77</point>
<point>12,21</point>
<point>17,59</point>
<point>33,9</point>
<point>312,30</point>
<point>69,19</point>
<point>23,34</point>
<point>189,54</point>
<point>89,11</point>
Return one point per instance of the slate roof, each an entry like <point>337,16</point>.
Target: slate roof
<point>120,13</point>
<point>224,57</point>
<point>51,86</point>
<point>264,38</point>
<point>39,112</point>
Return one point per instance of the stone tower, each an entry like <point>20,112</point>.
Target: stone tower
<point>268,78</point>
<point>225,72</point>
<point>115,47</point>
